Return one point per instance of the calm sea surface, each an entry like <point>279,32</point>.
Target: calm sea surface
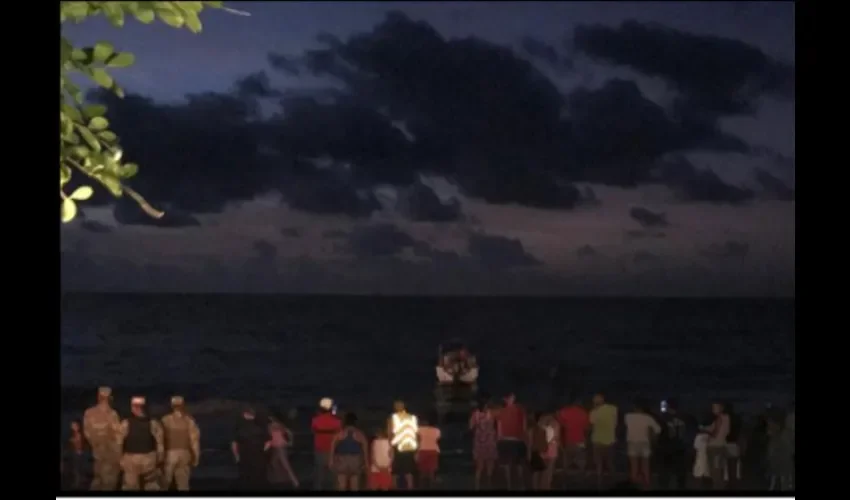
<point>368,350</point>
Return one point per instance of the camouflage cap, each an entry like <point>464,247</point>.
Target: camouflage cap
<point>177,400</point>
<point>137,400</point>
<point>104,391</point>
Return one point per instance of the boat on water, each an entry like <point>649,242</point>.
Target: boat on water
<point>456,365</point>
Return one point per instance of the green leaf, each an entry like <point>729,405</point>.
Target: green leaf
<point>82,193</point>
<point>81,151</point>
<point>190,6</point>
<point>68,210</point>
<point>145,15</point>
<point>129,170</point>
<point>80,55</point>
<point>75,10</point>
<point>90,139</point>
<point>121,60</point>
<point>98,123</point>
<point>114,13</point>
<point>172,19</point>
<point>214,4</point>
<point>102,78</point>
<point>93,110</point>
<point>74,91</point>
<point>71,112</point>
<point>64,174</point>
<point>112,184</point>
<point>193,22</point>
<point>103,51</point>
<point>107,136</point>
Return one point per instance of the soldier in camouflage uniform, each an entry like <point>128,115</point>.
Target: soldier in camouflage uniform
<point>142,438</point>
<point>101,427</point>
<point>182,445</point>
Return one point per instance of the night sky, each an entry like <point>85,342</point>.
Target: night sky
<point>607,148</point>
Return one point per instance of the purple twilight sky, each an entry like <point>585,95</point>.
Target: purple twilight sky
<point>580,148</point>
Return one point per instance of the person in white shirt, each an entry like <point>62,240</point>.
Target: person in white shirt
<point>641,430</point>
<point>380,470</point>
<point>717,450</point>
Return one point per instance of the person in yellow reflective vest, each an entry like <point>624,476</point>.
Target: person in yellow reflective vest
<point>403,430</point>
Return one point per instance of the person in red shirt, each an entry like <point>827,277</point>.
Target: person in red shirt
<point>325,426</point>
<point>511,436</point>
<point>575,422</point>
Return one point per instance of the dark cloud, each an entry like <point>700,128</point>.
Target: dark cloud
<point>693,184</point>
<point>255,85</point>
<point>644,257</point>
<point>379,240</point>
<point>499,252</point>
<point>401,100</point>
<point>546,52</point>
<point>589,198</point>
<point>93,226</point>
<point>714,76</point>
<point>617,135</point>
<point>265,250</point>
<point>648,218</point>
<point>773,186</point>
<point>325,192</point>
<point>639,234</point>
<point>540,49</point>
<point>587,251</point>
<point>420,203</point>
<point>292,232</point>
<point>284,64</point>
<point>727,249</point>
<point>334,234</point>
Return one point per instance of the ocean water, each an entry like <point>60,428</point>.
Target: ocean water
<point>365,351</point>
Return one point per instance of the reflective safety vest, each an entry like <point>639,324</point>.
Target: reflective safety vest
<point>405,431</point>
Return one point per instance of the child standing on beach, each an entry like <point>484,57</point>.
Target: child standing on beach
<point>380,470</point>
<point>428,456</point>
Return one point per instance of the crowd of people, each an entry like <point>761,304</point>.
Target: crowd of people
<point>666,449</point>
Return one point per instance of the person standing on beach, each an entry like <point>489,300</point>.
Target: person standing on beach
<point>349,455</point>
<point>780,457</point>
<point>673,449</point>
<point>101,428</point>
<point>717,452</point>
<point>733,448</point>
<point>76,475</point>
<point>511,435</point>
<point>249,452</point>
<point>182,445</point>
<point>575,423</point>
<point>641,430</point>
<point>280,473</point>
<point>603,435</point>
<point>325,426</point>
<point>485,452</point>
<point>380,471</point>
<point>428,456</point>
<point>403,430</point>
<point>543,438</point>
<point>143,449</point>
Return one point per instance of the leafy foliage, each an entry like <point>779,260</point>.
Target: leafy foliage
<point>87,146</point>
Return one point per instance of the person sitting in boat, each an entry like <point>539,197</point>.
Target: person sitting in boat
<point>449,364</point>
<point>462,360</point>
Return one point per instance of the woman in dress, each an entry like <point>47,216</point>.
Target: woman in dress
<point>280,473</point>
<point>484,449</point>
